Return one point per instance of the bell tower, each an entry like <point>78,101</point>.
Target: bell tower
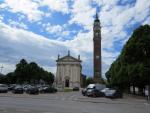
<point>97,50</point>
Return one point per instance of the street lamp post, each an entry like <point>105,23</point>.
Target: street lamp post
<point>1,68</point>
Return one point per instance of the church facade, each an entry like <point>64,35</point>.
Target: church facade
<point>68,72</point>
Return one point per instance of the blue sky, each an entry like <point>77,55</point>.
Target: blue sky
<point>39,30</point>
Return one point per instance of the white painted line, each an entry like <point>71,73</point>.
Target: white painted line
<point>48,112</point>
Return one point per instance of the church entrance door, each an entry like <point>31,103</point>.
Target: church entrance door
<point>67,83</point>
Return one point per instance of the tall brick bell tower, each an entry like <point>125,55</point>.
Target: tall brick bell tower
<point>97,50</point>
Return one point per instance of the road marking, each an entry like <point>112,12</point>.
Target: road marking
<point>24,110</point>
<point>48,112</point>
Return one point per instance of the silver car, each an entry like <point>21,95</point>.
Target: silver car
<point>3,88</point>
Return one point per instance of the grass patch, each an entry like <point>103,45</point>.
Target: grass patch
<point>68,89</point>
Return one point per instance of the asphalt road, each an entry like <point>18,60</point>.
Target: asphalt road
<point>72,102</point>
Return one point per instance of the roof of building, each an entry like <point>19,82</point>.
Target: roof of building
<point>68,58</point>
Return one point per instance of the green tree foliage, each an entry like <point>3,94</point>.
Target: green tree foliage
<point>132,67</point>
<point>27,73</point>
<point>89,80</point>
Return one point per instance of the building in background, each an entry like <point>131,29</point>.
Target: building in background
<point>69,71</point>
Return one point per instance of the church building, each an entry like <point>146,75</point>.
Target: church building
<point>68,72</point>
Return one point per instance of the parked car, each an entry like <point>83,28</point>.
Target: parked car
<point>11,87</point>
<point>32,90</point>
<point>47,89</point>
<point>25,87</point>
<point>18,90</point>
<point>76,89</point>
<point>94,93</point>
<point>84,91</point>
<point>3,88</point>
<point>104,90</point>
<point>113,93</point>
<point>93,90</point>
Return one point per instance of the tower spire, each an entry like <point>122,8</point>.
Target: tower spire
<point>97,16</point>
<point>97,50</point>
<point>68,53</point>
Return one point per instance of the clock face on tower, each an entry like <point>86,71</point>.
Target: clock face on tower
<point>96,34</point>
<point>97,57</point>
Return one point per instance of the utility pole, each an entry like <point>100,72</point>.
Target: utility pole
<point>1,68</point>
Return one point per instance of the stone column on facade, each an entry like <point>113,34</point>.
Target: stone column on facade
<point>79,75</point>
<point>70,75</point>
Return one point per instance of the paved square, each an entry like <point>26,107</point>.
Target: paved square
<point>70,102</point>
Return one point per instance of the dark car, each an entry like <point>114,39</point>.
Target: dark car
<point>32,90</point>
<point>93,90</point>
<point>113,93</point>
<point>84,91</point>
<point>47,89</point>
<point>94,93</point>
<point>76,89</point>
<point>25,87</point>
<point>11,87</point>
<point>3,88</point>
<point>18,90</point>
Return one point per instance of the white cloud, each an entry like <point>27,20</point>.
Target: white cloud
<point>147,21</point>
<point>53,29</point>
<point>1,18</point>
<point>115,21</point>
<point>17,24</point>
<point>26,7</point>
<point>56,5</point>
<point>18,43</point>
<point>82,42</point>
<point>7,67</point>
<point>57,30</point>
<point>82,13</point>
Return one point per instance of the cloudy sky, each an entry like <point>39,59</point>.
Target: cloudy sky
<point>39,30</point>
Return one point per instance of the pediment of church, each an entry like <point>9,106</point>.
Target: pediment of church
<point>68,59</point>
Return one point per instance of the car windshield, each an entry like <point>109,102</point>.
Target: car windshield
<point>105,89</point>
<point>18,86</point>
<point>91,86</point>
<point>3,85</point>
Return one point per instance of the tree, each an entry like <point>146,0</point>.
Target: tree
<point>89,80</point>
<point>21,71</point>
<point>27,73</point>
<point>132,67</point>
